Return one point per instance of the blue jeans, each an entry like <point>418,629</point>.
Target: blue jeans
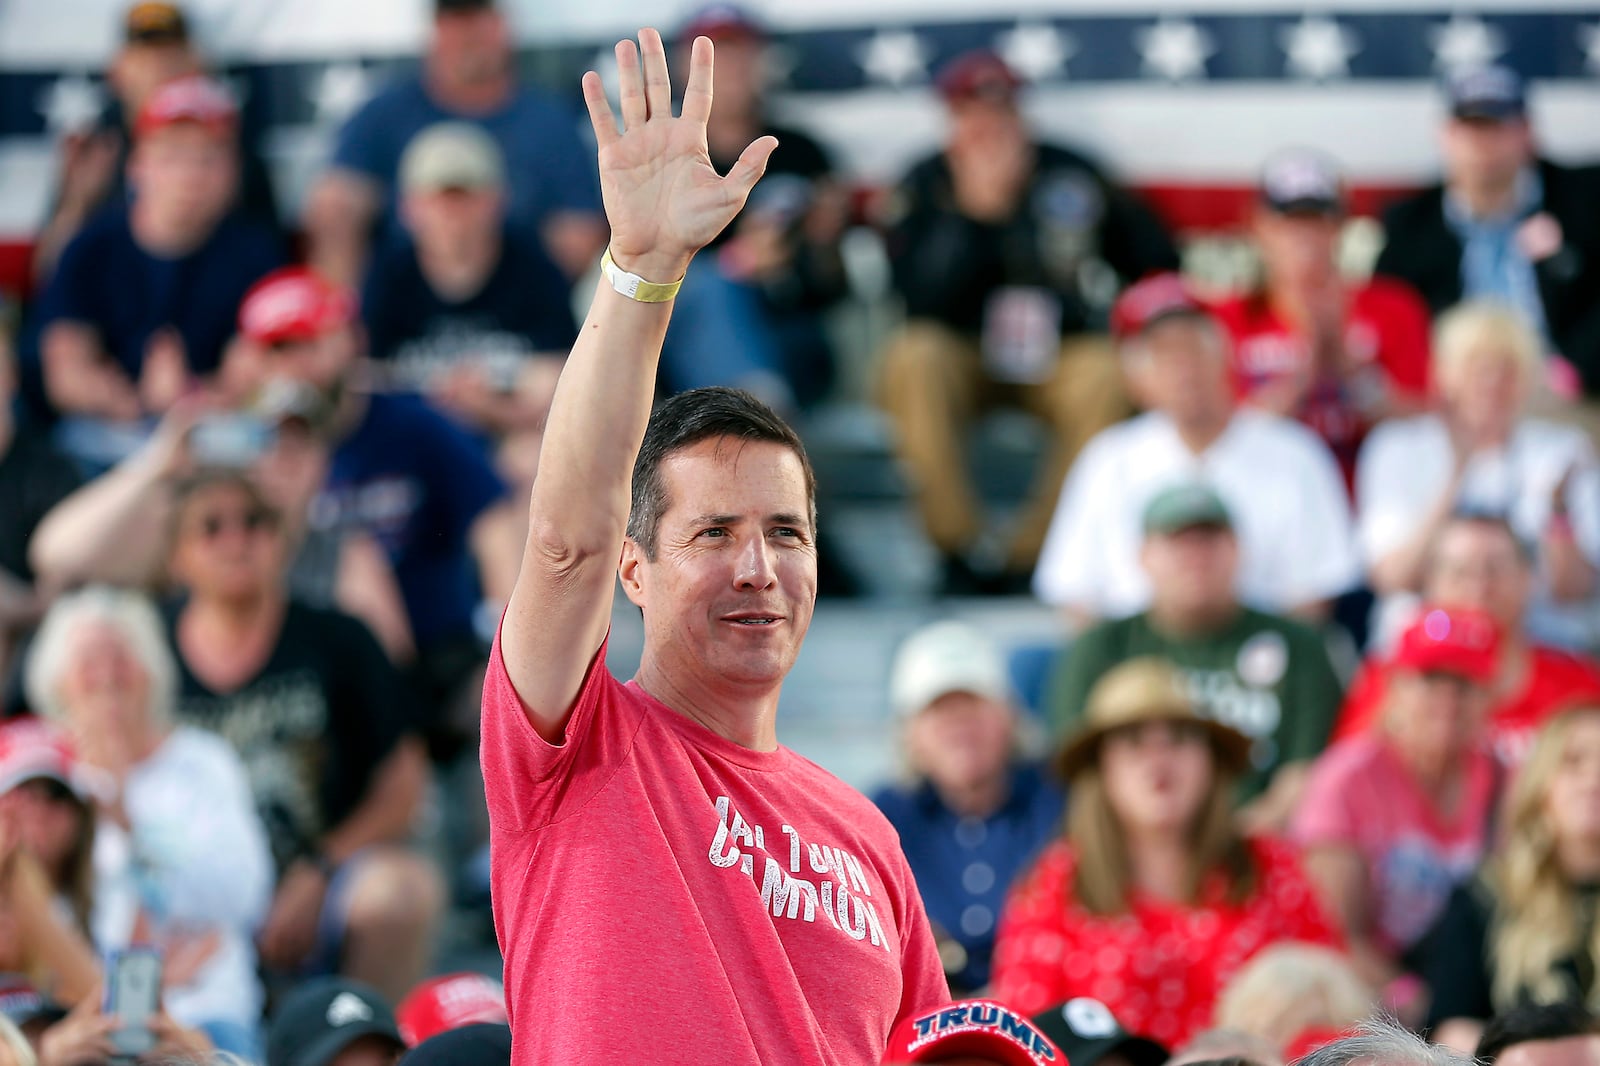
<point>720,336</point>
<point>234,1039</point>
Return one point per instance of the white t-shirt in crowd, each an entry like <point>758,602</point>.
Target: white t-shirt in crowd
<point>1282,488</point>
<point>1406,464</point>
<point>196,860</point>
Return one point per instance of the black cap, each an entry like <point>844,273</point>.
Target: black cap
<point>485,1044</point>
<point>1087,1031</point>
<point>323,1017</point>
<point>1300,181</point>
<point>1493,93</point>
<point>441,6</point>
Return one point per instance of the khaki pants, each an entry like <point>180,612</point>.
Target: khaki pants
<point>933,384</point>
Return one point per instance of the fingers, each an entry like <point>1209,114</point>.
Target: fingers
<point>600,116</point>
<point>630,85</point>
<point>748,170</point>
<point>657,82</point>
<point>697,91</point>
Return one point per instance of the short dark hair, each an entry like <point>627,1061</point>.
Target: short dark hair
<point>1484,517</point>
<point>1535,1021</point>
<point>684,421</point>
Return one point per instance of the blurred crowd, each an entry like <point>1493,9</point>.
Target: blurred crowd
<point>1323,741</point>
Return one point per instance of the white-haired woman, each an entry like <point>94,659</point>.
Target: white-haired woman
<point>1526,930</point>
<point>1482,453</point>
<point>180,857</point>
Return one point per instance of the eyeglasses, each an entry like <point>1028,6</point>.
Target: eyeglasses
<point>253,520</point>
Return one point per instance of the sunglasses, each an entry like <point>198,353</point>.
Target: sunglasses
<point>253,520</point>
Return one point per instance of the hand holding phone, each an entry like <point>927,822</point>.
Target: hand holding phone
<point>133,998</point>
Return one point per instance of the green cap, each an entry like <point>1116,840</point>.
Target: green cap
<point>1185,506</point>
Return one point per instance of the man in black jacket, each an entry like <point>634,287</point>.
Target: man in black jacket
<point>1505,224</point>
<point>1007,253</point>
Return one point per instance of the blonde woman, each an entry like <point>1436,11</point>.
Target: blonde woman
<point>1480,452</point>
<point>1525,930</point>
<point>1152,901</point>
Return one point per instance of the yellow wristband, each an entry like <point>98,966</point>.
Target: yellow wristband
<point>633,286</point>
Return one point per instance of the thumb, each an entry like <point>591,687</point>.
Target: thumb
<point>748,170</point>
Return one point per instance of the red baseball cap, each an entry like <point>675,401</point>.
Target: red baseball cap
<point>979,72</point>
<point>196,99</point>
<point>1450,641</point>
<point>723,22</point>
<point>1147,302</point>
<point>31,749</point>
<point>293,304</point>
<point>980,1028</point>
<point>450,1002</point>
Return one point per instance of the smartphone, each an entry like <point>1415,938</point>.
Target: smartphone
<point>230,440</point>
<point>133,996</point>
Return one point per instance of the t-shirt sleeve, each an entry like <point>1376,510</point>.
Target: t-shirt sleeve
<point>527,779</point>
<point>923,983</point>
<point>462,483</point>
<point>1298,908</point>
<point>1077,667</point>
<point>1027,973</point>
<point>364,143</point>
<point>1453,960</point>
<point>1325,817</point>
<point>69,294</point>
<point>1323,560</point>
<point>1312,699</point>
<point>570,174</point>
<point>1073,557</point>
<point>1360,703</point>
<point>372,709</point>
<point>1405,340</point>
<point>1386,498</point>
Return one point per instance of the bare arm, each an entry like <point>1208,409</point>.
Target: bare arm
<point>664,202</point>
<point>78,377</point>
<point>497,538</point>
<point>1340,875</point>
<point>385,814</point>
<point>365,587</point>
<point>338,218</point>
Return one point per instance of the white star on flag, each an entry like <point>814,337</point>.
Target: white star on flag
<point>341,89</point>
<point>1175,49</point>
<point>894,57</point>
<point>1465,43</point>
<point>1589,41</point>
<point>70,104</point>
<point>1318,48</point>
<point>1036,50</point>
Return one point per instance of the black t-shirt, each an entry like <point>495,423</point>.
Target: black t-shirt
<point>796,162</point>
<point>1456,958</point>
<point>33,478</point>
<point>311,727</point>
<point>524,308</point>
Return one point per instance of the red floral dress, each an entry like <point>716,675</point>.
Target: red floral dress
<point>1161,966</point>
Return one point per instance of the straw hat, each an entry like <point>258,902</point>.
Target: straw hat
<point>1146,689</point>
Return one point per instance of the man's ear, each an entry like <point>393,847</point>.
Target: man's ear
<point>630,570</point>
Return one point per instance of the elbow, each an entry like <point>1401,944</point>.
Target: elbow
<point>555,547</point>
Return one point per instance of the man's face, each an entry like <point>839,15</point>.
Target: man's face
<point>1484,389</point>
<point>1434,718</point>
<point>984,118</point>
<point>1485,153</point>
<point>740,76</point>
<point>473,46</point>
<point>730,592</point>
<point>1177,366</point>
<point>961,740</point>
<point>1478,565</point>
<point>1570,1051</point>
<point>226,545</point>
<point>447,220</point>
<point>1297,248</point>
<point>186,172</point>
<point>322,362</point>
<point>1192,570</point>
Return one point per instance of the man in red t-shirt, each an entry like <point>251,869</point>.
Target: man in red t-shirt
<point>1477,561</point>
<point>669,882</point>
<point>1306,343</point>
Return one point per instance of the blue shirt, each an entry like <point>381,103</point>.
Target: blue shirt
<point>524,308</point>
<point>1493,265</point>
<point>965,866</point>
<point>547,165</point>
<point>415,482</point>
<point>107,281</point>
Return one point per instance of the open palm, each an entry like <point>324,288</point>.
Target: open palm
<point>663,198</point>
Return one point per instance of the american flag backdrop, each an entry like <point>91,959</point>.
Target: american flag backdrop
<point>1183,98</point>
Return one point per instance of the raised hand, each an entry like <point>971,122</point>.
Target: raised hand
<point>663,198</point>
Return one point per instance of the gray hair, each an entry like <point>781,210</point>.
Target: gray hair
<point>1383,1042</point>
<point>132,615</point>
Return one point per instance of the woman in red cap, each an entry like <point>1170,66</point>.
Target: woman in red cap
<point>1396,817</point>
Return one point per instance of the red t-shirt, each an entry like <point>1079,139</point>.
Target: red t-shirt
<point>663,894</point>
<point>1556,681</point>
<point>1161,966</point>
<point>1386,333</point>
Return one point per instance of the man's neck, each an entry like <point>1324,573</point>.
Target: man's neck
<point>1202,431</point>
<point>1159,863</point>
<point>747,717</point>
<point>459,274</point>
<point>469,97</point>
<point>729,131</point>
<point>1485,201</point>
<point>975,799</point>
<point>1439,780</point>
<point>1186,623</point>
<point>235,620</point>
<point>165,238</point>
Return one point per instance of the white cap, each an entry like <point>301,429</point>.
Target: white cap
<point>942,658</point>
